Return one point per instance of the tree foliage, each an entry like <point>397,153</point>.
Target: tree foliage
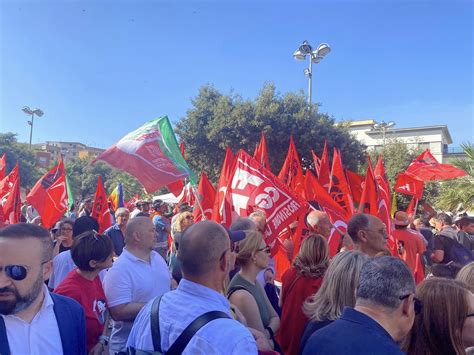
<point>459,191</point>
<point>83,178</point>
<point>396,157</point>
<point>216,121</point>
<point>19,152</point>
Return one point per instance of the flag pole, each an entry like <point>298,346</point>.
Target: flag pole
<point>196,195</point>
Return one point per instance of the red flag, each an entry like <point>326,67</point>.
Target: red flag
<point>218,213</point>
<point>356,183</point>
<point>206,194</point>
<point>7,182</point>
<point>338,187</point>
<point>100,208</point>
<point>425,167</point>
<point>336,214</point>
<point>419,273</point>
<point>324,173</point>
<point>291,172</point>
<point>11,208</point>
<point>411,209</point>
<point>368,201</point>
<point>384,201</point>
<point>181,148</point>
<point>49,195</point>
<point>254,187</point>
<point>317,162</point>
<point>409,186</point>
<point>261,153</point>
<point>3,166</point>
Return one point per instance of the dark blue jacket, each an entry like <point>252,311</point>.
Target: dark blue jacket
<point>71,323</point>
<point>354,333</point>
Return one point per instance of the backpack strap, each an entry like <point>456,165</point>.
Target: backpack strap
<point>155,324</point>
<point>4,347</point>
<point>180,344</point>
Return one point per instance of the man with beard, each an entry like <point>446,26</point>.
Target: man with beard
<point>32,320</point>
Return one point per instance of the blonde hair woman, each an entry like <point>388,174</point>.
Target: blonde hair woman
<point>300,281</point>
<point>337,291</point>
<point>183,221</point>
<point>244,290</point>
<point>466,275</point>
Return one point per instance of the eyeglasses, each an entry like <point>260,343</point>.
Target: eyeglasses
<point>266,249</point>
<point>222,256</point>
<point>379,231</point>
<point>470,315</point>
<point>18,272</point>
<point>189,217</point>
<point>66,229</point>
<point>418,305</point>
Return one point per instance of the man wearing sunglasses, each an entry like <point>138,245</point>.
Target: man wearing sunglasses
<point>383,315</point>
<point>34,321</point>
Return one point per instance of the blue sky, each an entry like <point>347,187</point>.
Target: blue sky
<point>99,69</point>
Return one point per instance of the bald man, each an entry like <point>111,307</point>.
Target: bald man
<point>319,223</point>
<point>204,252</point>
<point>137,276</point>
<point>368,233</point>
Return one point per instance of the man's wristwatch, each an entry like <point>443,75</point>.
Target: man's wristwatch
<point>104,340</point>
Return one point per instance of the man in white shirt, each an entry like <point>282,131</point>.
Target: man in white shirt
<point>32,320</point>
<point>138,275</point>
<point>204,252</point>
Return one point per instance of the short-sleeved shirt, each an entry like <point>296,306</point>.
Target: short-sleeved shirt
<point>410,243</point>
<point>90,295</point>
<point>354,333</point>
<point>131,280</point>
<point>115,234</point>
<point>189,301</point>
<point>62,265</point>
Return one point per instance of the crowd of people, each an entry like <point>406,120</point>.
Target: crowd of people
<point>161,282</point>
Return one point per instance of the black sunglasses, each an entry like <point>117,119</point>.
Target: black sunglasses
<point>418,305</point>
<point>266,249</point>
<point>18,272</point>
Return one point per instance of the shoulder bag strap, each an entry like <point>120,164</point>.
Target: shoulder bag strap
<point>155,324</point>
<point>180,344</point>
<point>4,347</point>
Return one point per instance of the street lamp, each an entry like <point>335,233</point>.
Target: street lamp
<point>382,126</point>
<point>315,56</point>
<point>32,113</point>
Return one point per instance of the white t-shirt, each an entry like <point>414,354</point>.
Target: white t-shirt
<point>39,337</point>
<point>130,280</point>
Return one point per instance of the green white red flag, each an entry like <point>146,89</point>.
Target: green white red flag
<point>151,154</point>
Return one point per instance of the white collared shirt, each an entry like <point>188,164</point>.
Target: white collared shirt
<point>131,280</point>
<point>39,337</point>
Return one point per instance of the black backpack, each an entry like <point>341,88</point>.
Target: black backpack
<point>457,252</point>
<point>184,338</point>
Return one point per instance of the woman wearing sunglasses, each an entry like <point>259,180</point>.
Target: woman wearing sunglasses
<point>63,240</point>
<point>246,293</point>
<point>92,253</point>
<point>445,324</point>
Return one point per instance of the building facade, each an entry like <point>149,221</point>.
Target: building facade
<point>434,138</point>
<point>51,151</point>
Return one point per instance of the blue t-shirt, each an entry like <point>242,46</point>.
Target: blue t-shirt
<point>353,333</point>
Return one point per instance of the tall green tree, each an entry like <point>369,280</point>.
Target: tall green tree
<point>19,152</point>
<point>459,191</point>
<point>83,179</point>
<point>216,121</point>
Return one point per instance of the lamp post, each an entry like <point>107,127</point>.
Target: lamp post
<point>315,56</point>
<point>382,126</point>
<point>32,113</point>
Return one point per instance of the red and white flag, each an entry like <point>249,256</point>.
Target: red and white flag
<point>291,172</point>
<point>49,195</point>
<point>253,187</point>
<point>3,166</point>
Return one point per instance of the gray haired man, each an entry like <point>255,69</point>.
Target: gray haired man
<point>383,315</point>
